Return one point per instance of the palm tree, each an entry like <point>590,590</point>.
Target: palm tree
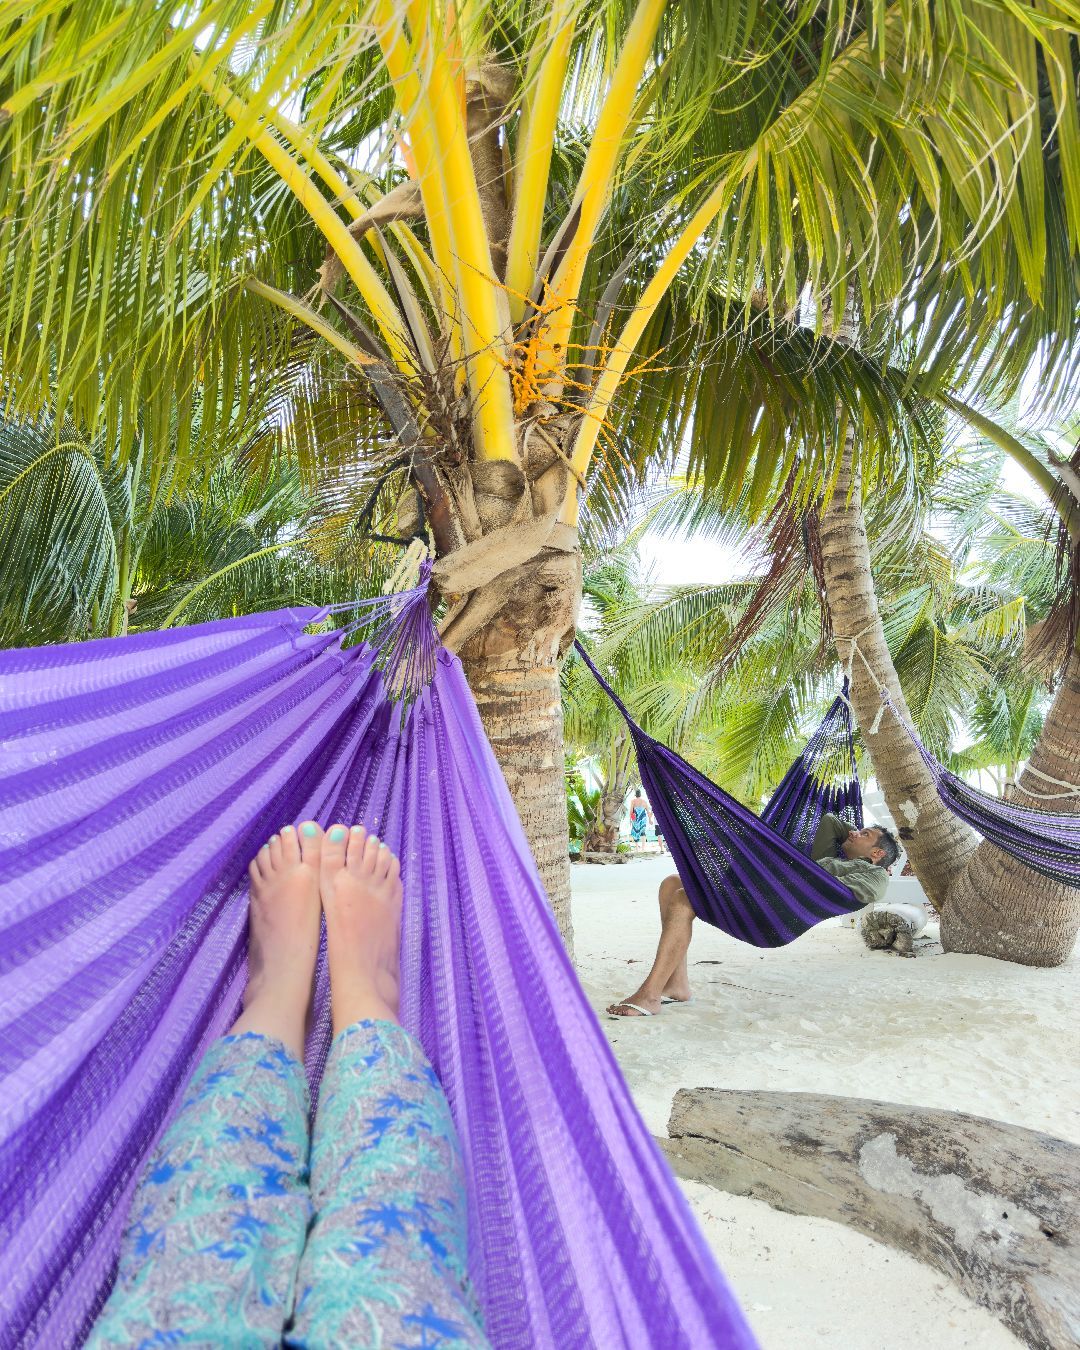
<point>94,549</point>
<point>971,630</point>
<point>733,675</point>
<point>989,903</point>
<point>446,237</point>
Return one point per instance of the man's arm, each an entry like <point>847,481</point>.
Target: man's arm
<point>831,833</point>
<point>866,881</point>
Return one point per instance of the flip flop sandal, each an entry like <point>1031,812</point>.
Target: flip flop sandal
<point>666,998</point>
<point>642,1012</point>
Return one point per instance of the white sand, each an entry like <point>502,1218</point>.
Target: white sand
<point>826,1015</point>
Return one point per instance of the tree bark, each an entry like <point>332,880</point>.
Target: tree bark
<point>992,1206</point>
<point>512,665</point>
<point>999,907</point>
<point>939,844</point>
<point>604,835</point>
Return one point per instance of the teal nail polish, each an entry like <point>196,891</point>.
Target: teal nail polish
<point>286,829</point>
<point>373,838</point>
<point>310,830</point>
<point>337,834</point>
<point>273,838</point>
<point>358,829</point>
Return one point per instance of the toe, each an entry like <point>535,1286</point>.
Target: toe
<point>371,856</point>
<point>335,843</point>
<point>290,846</point>
<point>357,840</point>
<point>254,873</point>
<point>383,860</point>
<point>311,841</point>
<point>273,858</point>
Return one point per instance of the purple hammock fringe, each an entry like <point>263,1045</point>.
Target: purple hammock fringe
<point>137,777</point>
<point>748,875</point>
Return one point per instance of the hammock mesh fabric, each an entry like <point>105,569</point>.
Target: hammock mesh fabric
<point>747,875</point>
<point>1046,841</point>
<point>137,778</point>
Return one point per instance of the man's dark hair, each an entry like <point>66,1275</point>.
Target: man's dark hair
<point>887,841</point>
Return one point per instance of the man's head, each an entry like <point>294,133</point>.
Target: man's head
<point>874,843</point>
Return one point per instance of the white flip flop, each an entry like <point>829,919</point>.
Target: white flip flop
<point>627,1004</point>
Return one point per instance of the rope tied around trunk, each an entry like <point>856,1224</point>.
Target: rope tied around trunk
<point>846,666</point>
<point>1069,790</point>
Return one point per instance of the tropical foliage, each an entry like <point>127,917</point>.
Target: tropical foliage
<point>510,248</point>
<point>493,203</point>
<point>92,548</point>
<point>964,601</point>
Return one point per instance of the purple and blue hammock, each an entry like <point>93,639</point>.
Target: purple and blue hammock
<point>137,778</point>
<point>751,876</point>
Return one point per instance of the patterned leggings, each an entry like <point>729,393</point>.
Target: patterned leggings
<point>233,1240</point>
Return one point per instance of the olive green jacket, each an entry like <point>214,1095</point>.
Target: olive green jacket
<point>866,880</point>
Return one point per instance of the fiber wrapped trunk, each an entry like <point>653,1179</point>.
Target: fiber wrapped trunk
<point>137,778</point>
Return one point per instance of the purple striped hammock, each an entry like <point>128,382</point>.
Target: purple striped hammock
<point>138,776</point>
<point>751,876</point>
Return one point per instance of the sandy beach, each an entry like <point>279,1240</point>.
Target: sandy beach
<point>826,1015</point>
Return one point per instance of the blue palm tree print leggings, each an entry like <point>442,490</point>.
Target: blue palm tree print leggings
<point>247,1232</point>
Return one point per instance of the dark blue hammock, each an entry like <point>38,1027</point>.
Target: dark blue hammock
<point>751,876</point>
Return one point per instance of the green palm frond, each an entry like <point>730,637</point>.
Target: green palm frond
<point>922,161</point>
<point>56,534</point>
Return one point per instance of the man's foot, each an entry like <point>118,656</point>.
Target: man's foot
<point>637,1005</point>
<point>360,884</point>
<point>283,936</point>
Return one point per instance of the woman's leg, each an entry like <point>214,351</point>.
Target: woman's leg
<point>219,1218</point>
<point>385,1262</point>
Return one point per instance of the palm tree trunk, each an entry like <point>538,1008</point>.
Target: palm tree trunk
<point>604,835</point>
<point>998,907</point>
<point>938,844</point>
<point>989,903</point>
<point>512,665</point>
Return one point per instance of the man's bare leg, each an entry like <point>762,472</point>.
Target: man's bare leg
<point>669,975</point>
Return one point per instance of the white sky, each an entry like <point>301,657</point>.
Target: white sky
<point>689,562</point>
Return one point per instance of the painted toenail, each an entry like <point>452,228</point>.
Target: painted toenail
<point>310,830</point>
<point>358,829</point>
<point>273,838</point>
<point>287,829</point>
<point>373,838</point>
<point>337,834</point>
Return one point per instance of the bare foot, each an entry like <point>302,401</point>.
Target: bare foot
<point>633,1007</point>
<point>360,883</point>
<point>637,1005</point>
<point>283,935</point>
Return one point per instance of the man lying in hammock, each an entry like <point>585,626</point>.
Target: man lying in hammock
<point>858,858</point>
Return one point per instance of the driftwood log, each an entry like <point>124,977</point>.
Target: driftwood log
<point>994,1207</point>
